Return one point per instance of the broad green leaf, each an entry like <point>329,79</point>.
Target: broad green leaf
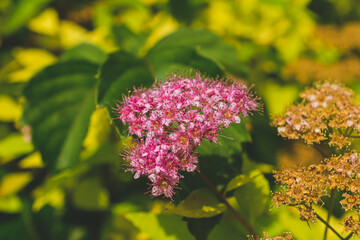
<point>14,228</point>
<point>119,74</point>
<point>230,143</point>
<point>236,182</point>
<point>85,51</point>
<point>127,40</point>
<point>179,59</point>
<point>23,11</point>
<point>90,195</point>
<point>206,44</point>
<point>253,196</point>
<point>186,10</point>
<point>13,146</point>
<point>60,100</point>
<point>160,227</point>
<point>201,227</point>
<point>228,228</point>
<point>200,203</point>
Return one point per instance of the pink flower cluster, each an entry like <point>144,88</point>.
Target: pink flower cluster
<point>171,119</point>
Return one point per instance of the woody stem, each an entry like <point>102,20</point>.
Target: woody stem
<point>330,207</point>
<point>248,227</point>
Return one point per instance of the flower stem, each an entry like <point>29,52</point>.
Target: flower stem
<point>222,197</point>
<point>349,236</point>
<point>320,151</point>
<point>330,207</point>
<point>329,226</point>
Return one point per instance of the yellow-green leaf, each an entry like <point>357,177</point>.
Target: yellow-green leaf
<point>200,203</point>
<point>10,204</point>
<point>13,146</point>
<point>10,110</point>
<point>14,182</point>
<point>160,227</point>
<point>46,23</point>
<point>236,182</point>
<point>90,195</point>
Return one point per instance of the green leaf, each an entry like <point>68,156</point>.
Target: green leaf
<point>119,74</point>
<point>60,100</point>
<point>186,10</point>
<point>206,44</point>
<point>10,204</point>
<point>13,146</point>
<point>85,51</point>
<point>236,182</point>
<point>90,195</point>
<point>228,228</point>
<point>201,227</point>
<point>23,11</point>
<point>200,203</point>
<point>179,59</point>
<point>253,197</point>
<point>230,143</point>
<point>14,227</point>
<point>128,40</point>
<point>277,97</point>
<point>160,227</point>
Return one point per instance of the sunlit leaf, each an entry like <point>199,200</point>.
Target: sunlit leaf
<point>10,110</point>
<point>99,129</point>
<point>54,197</point>
<point>60,102</point>
<point>32,161</point>
<point>236,182</point>
<point>276,97</point>
<point>199,204</point>
<point>46,23</point>
<point>13,146</point>
<point>30,61</point>
<point>161,226</point>
<point>71,34</point>
<point>90,195</point>
<point>253,196</point>
<point>13,182</point>
<point>10,204</point>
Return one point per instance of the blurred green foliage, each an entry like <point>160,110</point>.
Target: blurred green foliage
<point>63,66</point>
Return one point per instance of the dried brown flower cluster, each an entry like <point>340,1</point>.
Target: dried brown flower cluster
<point>344,38</point>
<point>345,69</point>
<point>304,186</point>
<point>307,70</point>
<point>284,236</point>
<point>327,112</point>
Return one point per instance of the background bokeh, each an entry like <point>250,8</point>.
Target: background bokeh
<point>278,46</point>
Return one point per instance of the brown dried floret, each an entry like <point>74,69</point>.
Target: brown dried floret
<point>327,112</point>
<point>352,225</point>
